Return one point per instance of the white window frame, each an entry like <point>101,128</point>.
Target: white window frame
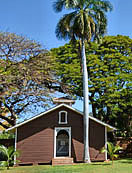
<point>56,131</point>
<point>60,122</point>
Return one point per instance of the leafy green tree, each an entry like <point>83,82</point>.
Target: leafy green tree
<point>86,21</point>
<point>7,135</point>
<point>110,78</point>
<point>9,154</point>
<point>68,68</point>
<point>112,150</point>
<point>114,81</point>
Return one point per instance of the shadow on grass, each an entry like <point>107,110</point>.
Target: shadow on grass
<point>105,164</point>
<point>128,161</point>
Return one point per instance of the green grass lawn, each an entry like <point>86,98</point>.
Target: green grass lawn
<point>120,166</point>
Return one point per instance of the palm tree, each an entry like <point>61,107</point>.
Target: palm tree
<point>112,150</point>
<point>85,21</point>
<point>8,154</point>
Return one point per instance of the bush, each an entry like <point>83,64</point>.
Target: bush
<point>8,154</point>
<point>6,135</point>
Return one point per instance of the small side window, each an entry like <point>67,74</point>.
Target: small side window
<point>62,117</point>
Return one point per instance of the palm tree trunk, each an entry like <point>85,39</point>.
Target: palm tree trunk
<point>85,105</point>
<point>7,164</point>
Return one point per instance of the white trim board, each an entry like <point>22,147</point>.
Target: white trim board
<point>15,146</point>
<point>68,129</point>
<point>60,122</point>
<point>110,128</point>
<point>105,143</point>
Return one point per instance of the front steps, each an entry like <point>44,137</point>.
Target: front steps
<point>62,161</point>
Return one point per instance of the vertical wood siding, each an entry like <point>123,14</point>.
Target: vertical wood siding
<point>35,139</point>
<point>97,141</point>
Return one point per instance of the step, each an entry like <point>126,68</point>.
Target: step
<point>62,161</point>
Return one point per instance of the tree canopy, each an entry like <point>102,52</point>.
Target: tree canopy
<point>110,77</point>
<point>25,72</point>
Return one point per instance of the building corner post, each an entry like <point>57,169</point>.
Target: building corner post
<point>15,146</point>
<point>106,143</point>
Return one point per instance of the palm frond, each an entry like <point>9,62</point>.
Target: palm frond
<point>10,151</point>
<point>103,5</point>
<point>110,147</point>
<point>59,5</point>
<point>16,153</point>
<point>116,155</point>
<point>64,28</point>
<point>106,6</point>
<point>3,149</point>
<point>103,150</point>
<point>78,25</point>
<point>117,148</point>
<point>88,19</point>
<point>3,163</point>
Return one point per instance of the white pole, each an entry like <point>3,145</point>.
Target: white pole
<point>15,146</point>
<point>85,106</point>
<point>106,142</point>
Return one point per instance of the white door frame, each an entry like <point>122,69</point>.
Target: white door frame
<point>56,130</point>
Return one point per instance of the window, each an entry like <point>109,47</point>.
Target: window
<point>62,117</point>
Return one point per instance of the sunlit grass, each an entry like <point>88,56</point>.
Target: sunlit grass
<point>120,166</point>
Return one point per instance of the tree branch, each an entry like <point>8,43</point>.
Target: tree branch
<point>3,125</point>
<point>11,122</point>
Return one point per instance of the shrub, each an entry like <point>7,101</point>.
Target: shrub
<point>8,154</point>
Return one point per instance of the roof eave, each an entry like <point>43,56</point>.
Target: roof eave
<point>110,128</point>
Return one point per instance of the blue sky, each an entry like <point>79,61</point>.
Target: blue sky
<point>36,20</point>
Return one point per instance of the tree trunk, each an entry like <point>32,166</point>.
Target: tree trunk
<point>7,164</point>
<point>85,105</point>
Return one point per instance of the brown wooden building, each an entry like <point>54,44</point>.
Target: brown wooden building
<point>57,135</point>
